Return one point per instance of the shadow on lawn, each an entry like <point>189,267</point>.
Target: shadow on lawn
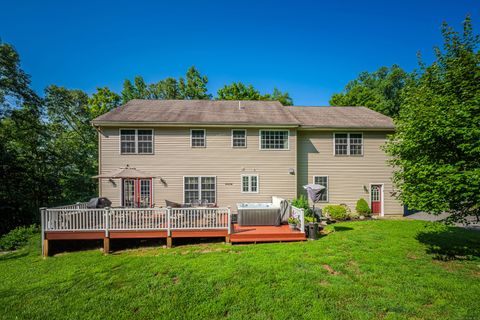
<point>341,228</point>
<point>451,243</point>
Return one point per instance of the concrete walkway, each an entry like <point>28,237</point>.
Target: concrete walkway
<point>474,225</point>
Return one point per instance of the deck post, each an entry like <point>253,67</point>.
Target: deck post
<point>42,222</point>
<point>45,246</point>
<point>229,221</point>
<point>106,245</point>
<point>169,232</point>
<point>302,220</point>
<point>107,219</point>
<point>169,241</point>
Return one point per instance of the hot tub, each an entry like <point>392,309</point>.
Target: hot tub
<point>258,214</point>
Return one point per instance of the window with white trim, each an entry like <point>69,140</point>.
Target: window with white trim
<point>323,181</point>
<point>136,141</point>
<point>197,138</point>
<point>274,139</point>
<point>250,183</point>
<point>239,138</point>
<point>198,190</point>
<point>348,144</point>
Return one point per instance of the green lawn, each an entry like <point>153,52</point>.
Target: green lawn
<point>361,270</point>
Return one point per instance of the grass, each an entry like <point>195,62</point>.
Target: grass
<point>361,270</point>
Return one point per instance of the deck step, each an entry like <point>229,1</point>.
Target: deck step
<point>265,239</point>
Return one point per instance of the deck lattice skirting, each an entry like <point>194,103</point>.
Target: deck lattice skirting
<point>77,222</point>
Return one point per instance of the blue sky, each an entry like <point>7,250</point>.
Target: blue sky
<point>309,48</point>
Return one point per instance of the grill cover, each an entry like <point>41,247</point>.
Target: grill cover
<point>97,203</point>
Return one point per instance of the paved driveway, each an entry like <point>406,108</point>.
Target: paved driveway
<point>430,217</point>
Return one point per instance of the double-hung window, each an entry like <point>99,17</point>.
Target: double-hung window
<point>198,138</point>
<point>323,181</point>
<point>249,183</point>
<point>198,190</point>
<point>137,193</point>
<point>274,139</point>
<point>136,141</point>
<point>239,138</point>
<point>348,144</point>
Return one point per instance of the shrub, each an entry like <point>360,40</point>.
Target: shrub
<point>362,207</point>
<point>293,220</point>
<point>336,212</point>
<point>302,203</point>
<point>17,237</point>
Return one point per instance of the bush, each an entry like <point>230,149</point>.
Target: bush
<point>336,212</point>
<point>302,203</point>
<point>293,220</point>
<point>362,207</point>
<point>17,237</point>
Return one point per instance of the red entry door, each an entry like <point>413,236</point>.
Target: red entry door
<point>376,198</point>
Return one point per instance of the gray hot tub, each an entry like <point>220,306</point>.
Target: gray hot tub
<point>258,214</point>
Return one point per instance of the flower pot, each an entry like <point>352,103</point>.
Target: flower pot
<point>292,226</point>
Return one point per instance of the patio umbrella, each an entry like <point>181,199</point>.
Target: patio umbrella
<point>124,173</point>
<point>315,192</point>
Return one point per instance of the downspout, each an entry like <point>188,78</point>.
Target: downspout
<point>99,151</point>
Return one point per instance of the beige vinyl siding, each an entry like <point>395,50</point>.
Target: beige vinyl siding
<point>347,175</point>
<point>174,158</point>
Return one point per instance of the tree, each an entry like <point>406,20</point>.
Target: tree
<point>240,91</point>
<point>436,150</point>
<point>282,97</point>
<point>101,102</point>
<point>28,178</point>
<point>195,86</point>
<point>73,142</point>
<point>380,91</point>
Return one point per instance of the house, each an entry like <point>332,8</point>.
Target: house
<point>229,152</point>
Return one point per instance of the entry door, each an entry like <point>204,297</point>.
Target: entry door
<point>376,198</point>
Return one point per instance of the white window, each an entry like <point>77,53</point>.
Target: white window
<point>137,193</point>
<point>136,141</point>
<point>274,139</point>
<point>197,138</point>
<point>249,183</point>
<point>199,190</point>
<point>239,138</point>
<point>323,181</point>
<point>348,144</point>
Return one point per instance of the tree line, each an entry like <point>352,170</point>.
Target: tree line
<point>49,153</point>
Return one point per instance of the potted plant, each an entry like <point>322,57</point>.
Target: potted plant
<point>292,223</point>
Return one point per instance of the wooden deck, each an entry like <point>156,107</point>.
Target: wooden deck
<point>78,223</point>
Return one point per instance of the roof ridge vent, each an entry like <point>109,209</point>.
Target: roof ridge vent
<point>240,106</point>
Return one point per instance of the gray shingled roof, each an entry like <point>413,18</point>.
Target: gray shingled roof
<point>201,112</point>
<point>249,113</point>
<point>341,117</point>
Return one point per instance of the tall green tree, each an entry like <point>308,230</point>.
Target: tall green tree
<point>380,91</point>
<point>27,171</point>
<point>74,142</point>
<point>102,101</point>
<point>240,91</point>
<point>436,150</point>
<point>194,85</point>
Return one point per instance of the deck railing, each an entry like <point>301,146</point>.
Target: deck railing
<point>299,214</point>
<point>82,219</point>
